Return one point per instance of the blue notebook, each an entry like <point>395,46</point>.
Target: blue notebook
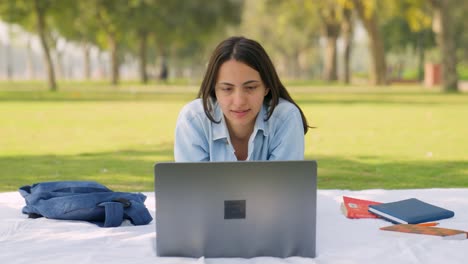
<point>410,211</point>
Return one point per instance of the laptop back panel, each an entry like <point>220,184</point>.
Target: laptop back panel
<point>236,209</point>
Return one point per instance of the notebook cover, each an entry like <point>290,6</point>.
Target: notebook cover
<point>410,211</point>
<point>357,208</point>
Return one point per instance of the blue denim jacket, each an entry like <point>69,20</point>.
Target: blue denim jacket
<point>198,139</point>
<point>86,201</point>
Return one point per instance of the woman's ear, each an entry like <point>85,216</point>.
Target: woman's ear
<point>267,90</point>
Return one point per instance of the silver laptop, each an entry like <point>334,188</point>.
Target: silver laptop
<point>236,209</point>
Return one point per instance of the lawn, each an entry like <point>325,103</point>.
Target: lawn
<point>365,137</point>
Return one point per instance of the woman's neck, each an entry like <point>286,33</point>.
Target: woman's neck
<point>240,133</point>
<point>240,145</point>
<point>240,140</point>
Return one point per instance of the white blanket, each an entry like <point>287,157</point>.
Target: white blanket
<point>339,240</point>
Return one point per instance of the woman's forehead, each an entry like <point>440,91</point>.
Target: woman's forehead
<point>236,72</point>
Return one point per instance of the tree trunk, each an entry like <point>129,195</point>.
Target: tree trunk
<point>103,71</point>
<point>114,60</point>
<point>347,30</point>
<point>443,28</point>
<point>330,70</point>
<point>87,61</point>
<point>332,31</point>
<point>378,64</point>
<point>142,54</point>
<point>41,31</point>
<point>421,57</point>
<point>31,71</point>
<point>164,73</point>
<point>297,63</point>
<point>9,64</point>
<point>60,65</point>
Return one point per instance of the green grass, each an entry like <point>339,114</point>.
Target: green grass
<point>366,137</point>
<point>462,70</point>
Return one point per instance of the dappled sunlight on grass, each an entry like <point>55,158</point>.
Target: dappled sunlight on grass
<point>365,137</point>
<point>359,173</point>
<point>129,169</point>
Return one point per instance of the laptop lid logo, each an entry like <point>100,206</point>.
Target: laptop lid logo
<point>234,209</point>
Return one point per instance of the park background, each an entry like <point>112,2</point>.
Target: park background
<point>91,89</point>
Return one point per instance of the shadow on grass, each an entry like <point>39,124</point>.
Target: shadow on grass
<point>361,172</point>
<point>132,170</point>
<point>124,170</point>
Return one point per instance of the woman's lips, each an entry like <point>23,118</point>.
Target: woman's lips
<point>240,113</point>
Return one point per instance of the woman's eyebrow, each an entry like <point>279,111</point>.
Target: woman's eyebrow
<point>250,81</point>
<point>226,83</point>
<point>245,83</point>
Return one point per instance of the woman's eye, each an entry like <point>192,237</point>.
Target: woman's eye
<point>251,87</point>
<point>226,89</point>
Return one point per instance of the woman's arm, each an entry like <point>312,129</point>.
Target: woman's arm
<point>191,143</point>
<point>287,142</point>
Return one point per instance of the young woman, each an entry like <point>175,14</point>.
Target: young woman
<point>243,111</point>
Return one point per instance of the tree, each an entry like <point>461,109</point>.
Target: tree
<point>175,26</point>
<point>189,28</point>
<point>347,34</point>
<point>331,28</point>
<point>366,11</point>
<point>40,10</point>
<point>76,21</point>
<point>461,32</point>
<point>289,30</point>
<point>147,17</point>
<point>443,27</point>
<point>336,18</point>
<point>9,65</point>
<point>400,33</point>
<point>112,18</point>
<point>32,13</point>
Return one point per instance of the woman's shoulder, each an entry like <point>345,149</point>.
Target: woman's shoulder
<point>284,108</point>
<point>192,109</point>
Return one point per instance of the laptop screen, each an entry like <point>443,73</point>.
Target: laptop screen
<point>236,209</point>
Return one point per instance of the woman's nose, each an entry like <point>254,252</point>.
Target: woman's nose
<point>239,97</point>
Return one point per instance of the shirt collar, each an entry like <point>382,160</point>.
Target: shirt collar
<point>220,130</point>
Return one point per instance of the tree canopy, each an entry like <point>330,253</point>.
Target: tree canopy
<point>303,36</point>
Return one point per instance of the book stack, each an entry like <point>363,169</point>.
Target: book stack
<point>408,215</point>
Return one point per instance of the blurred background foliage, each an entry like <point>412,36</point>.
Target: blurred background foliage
<point>346,41</point>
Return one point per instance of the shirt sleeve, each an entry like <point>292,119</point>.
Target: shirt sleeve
<point>287,141</point>
<point>191,143</point>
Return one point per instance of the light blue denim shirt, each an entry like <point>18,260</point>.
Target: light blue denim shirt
<point>198,139</point>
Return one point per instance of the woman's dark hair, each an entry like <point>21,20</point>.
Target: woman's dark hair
<point>252,54</point>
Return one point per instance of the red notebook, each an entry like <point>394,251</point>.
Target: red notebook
<point>357,208</point>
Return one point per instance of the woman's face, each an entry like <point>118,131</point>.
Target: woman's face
<point>239,91</point>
